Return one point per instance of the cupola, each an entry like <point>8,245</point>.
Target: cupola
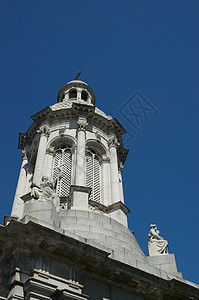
<point>76,90</point>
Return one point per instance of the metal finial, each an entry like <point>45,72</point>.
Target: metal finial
<point>78,74</point>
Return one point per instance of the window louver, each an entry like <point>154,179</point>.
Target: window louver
<point>93,175</point>
<point>63,160</point>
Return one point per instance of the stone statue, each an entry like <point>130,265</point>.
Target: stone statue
<point>156,244</point>
<point>45,191</point>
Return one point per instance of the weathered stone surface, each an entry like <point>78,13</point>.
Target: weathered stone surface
<point>49,264</point>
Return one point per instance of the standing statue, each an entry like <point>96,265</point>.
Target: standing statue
<point>156,244</point>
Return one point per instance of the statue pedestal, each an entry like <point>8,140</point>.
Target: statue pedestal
<point>79,197</point>
<point>41,210</point>
<point>165,262</point>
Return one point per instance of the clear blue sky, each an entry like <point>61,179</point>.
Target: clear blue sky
<point>121,47</point>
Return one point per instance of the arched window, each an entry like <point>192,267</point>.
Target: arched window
<point>93,174</point>
<point>72,93</point>
<point>84,95</point>
<point>63,162</point>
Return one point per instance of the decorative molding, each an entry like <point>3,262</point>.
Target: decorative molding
<point>71,110</point>
<point>98,136</point>
<point>96,206</point>
<point>62,131</point>
<point>105,159</point>
<point>50,151</point>
<point>107,209</point>
<point>116,206</point>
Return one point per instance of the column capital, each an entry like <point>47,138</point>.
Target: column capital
<point>82,123</point>
<point>113,142</point>
<point>73,148</point>
<point>24,155</point>
<point>44,130</point>
<point>105,159</point>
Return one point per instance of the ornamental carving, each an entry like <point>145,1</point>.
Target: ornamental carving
<point>81,124</point>
<point>44,131</point>
<point>46,190</point>
<point>24,155</point>
<point>50,151</point>
<point>113,142</point>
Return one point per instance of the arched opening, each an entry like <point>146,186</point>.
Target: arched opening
<point>62,165</point>
<point>72,93</point>
<point>84,95</point>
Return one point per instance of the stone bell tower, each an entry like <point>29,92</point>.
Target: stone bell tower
<point>78,149</point>
<point>67,236</point>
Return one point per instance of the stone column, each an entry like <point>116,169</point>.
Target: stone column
<point>17,207</point>
<point>66,96</point>
<point>79,192</point>
<point>28,181</point>
<point>120,182</point>
<point>39,166</point>
<point>50,153</point>
<point>106,195</point>
<point>79,93</point>
<point>89,99</point>
<point>115,190</point>
<point>80,173</point>
<point>73,170</point>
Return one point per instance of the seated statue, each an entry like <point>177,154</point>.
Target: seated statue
<point>45,191</point>
<point>156,244</point>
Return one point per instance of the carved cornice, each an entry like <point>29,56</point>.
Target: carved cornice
<point>84,109</point>
<point>110,126</point>
<point>22,140</point>
<point>123,154</point>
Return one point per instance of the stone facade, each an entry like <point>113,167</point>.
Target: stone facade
<point>67,236</point>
